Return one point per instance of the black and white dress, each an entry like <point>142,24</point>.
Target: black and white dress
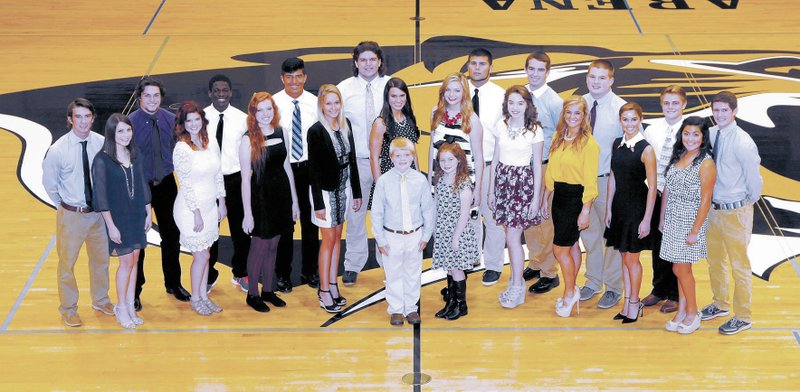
<point>450,130</point>
<point>448,208</point>
<point>683,202</point>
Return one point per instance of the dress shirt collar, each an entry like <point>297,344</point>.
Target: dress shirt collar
<point>74,139</point>
<point>363,82</point>
<point>539,91</point>
<point>602,100</point>
<point>632,142</point>
<point>729,129</point>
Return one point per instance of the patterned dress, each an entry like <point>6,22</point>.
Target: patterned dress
<point>337,201</point>
<point>449,131</point>
<point>514,184</point>
<point>682,204</point>
<point>402,129</point>
<point>448,207</point>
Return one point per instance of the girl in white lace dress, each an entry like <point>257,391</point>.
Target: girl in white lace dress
<point>197,215</point>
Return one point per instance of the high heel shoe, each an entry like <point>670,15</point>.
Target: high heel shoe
<point>685,329</point>
<point>338,300</point>
<point>621,316</point>
<point>132,313</point>
<point>333,308</point>
<point>212,306</point>
<point>200,308</point>
<point>512,297</point>
<point>565,309</point>
<point>123,318</point>
<point>672,326</point>
<point>639,312</point>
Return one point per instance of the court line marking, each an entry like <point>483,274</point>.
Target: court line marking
<point>630,11</point>
<point>796,336</point>
<point>351,330</point>
<point>153,19</point>
<point>28,285</point>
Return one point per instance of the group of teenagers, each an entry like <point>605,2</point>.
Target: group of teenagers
<point>505,164</point>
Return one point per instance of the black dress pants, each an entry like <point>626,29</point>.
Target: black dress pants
<point>308,231</point>
<point>241,241</point>
<point>162,200</point>
<point>665,284</point>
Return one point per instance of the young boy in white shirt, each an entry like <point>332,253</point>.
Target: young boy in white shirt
<point>402,222</point>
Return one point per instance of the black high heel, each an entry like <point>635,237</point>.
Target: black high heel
<point>639,313</point>
<point>339,300</point>
<point>621,316</point>
<point>328,308</point>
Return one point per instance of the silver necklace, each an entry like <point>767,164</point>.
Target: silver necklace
<point>129,185</point>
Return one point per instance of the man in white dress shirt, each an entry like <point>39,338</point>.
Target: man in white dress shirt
<point>298,110</point>
<point>662,135</point>
<point>227,125</point>
<point>603,264</point>
<point>487,101</point>
<point>539,238</point>
<point>362,99</point>
<point>66,177</point>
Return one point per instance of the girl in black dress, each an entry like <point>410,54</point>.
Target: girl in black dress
<point>629,204</point>
<point>122,196</point>
<point>268,196</point>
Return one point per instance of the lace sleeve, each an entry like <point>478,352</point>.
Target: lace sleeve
<point>100,184</point>
<point>182,160</point>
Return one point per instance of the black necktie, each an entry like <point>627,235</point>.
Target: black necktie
<point>715,147</point>
<point>593,115</point>
<point>220,124</point>
<point>158,165</point>
<point>87,181</point>
<point>476,103</point>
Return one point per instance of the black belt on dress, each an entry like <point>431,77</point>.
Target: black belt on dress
<point>76,209</point>
<point>403,232</point>
<point>544,162</point>
<point>729,206</point>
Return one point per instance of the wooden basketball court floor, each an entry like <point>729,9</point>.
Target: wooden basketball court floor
<point>55,43</point>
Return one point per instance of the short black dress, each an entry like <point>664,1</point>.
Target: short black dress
<point>123,191</point>
<point>630,198</point>
<point>402,129</point>
<point>270,192</point>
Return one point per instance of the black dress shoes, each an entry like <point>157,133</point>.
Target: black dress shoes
<point>179,293</point>
<point>311,280</point>
<point>544,285</point>
<point>269,296</point>
<point>283,284</point>
<point>530,273</point>
<point>137,304</point>
<point>257,303</point>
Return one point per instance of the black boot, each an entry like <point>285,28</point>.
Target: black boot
<point>446,288</point>
<point>458,306</point>
<point>448,294</point>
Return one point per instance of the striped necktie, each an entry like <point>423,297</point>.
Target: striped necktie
<point>369,107</point>
<point>663,159</point>
<point>297,135</point>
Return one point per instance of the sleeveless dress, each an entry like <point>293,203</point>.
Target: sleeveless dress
<point>270,192</point>
<point>682,205</point>
<point>402,129</point>
<point>122,191</point>
<point>448,207</point>
<point>630,198</point>
<point>449,131</point>
<point>200,184</point>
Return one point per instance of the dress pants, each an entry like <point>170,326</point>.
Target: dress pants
<point>665,283</point>
<point>494,237</point>
<point>729,235</point>
<point>73,229</point>
<point>241,241</point>
<point>309,233</point>
<point>162,200</point>
<point>356,248</point>
<point>603,263</point>
<point>539,240</point>
<point>403,268</point>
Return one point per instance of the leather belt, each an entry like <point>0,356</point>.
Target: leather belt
<point>300,164</point>
<point>729,206</point>
<point>83,210</point>
<point>487,163</point>
<point>604,175</point>
<point>544,162</point>
<point>403,232</point>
